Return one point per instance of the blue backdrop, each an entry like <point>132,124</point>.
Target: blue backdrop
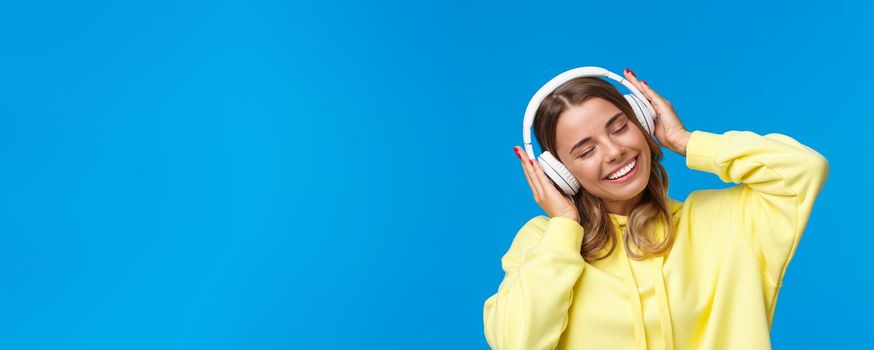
<point>275,175</point>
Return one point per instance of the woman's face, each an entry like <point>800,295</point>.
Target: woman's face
<point>612,141</point>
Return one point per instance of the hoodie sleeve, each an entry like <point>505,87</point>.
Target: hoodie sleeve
<point>781,179</point>
<point>530,309</point>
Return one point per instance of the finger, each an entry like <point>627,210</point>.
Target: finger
<point>629,75</point>
<point>523,160</point>
<point>537,185</point>
<point>662,107</point>
<point>648,92</point>
<point>546,184</point>
<point>532,177</point>
<point>652,94</point>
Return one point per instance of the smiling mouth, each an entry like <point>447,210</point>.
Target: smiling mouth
<point>633,160</point>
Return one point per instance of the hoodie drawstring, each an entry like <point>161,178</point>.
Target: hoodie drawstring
<point>664,310</point>
<point>637,308</point>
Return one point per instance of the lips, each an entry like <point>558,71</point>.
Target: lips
<point>620,167</point>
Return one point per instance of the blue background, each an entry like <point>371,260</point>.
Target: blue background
<point>275,175</point>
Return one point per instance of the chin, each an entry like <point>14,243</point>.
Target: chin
<point>625,197</point>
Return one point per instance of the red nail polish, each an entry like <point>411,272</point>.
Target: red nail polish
<point>531,161</point>
<point>516,150</point>
<point>631,72</point>
<point>644,82</point>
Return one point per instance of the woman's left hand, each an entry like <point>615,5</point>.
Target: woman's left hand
<point>669,131</point>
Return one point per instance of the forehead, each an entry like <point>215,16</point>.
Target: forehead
<point>584,120</point>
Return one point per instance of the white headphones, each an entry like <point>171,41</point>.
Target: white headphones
<point>552,167</point>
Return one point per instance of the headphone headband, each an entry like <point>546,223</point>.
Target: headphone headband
<point>552,84</point>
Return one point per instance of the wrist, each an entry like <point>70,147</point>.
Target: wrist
<point>682,142</point>
<point>570,217</point>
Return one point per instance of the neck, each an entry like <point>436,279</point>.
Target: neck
<point>623,207</point>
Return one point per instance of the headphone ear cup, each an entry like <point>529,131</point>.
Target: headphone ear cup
<point>558,173</point>
<point>641,112</point>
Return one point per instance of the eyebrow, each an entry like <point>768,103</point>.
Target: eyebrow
<point>606,126</point>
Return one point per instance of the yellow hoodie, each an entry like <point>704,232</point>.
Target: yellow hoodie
<point>715,289</point>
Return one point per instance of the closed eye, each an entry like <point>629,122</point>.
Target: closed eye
<point>618,131</point>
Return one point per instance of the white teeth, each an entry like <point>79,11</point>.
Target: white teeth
<point>623,171</point>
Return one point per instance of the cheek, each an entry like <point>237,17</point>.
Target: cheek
<point>637,140</point>
<point>586,171</point>
<point>640,139</point>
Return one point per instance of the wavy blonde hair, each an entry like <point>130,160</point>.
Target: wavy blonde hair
<point>593,213</point>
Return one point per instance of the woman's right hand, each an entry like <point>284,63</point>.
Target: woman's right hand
<point>549,197</point>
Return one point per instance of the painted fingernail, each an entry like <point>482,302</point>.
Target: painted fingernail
<point>531,161</point>
<point>630,72</point>
<point>516,150</point>
<point>644,82</point>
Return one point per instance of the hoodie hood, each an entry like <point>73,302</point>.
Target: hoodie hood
<point>674,207</point>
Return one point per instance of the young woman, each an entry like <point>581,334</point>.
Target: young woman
<point>622,266</point>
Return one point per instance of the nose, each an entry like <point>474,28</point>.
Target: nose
<point>613,152</point>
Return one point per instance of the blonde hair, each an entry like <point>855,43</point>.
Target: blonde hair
<point>599,231</point>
